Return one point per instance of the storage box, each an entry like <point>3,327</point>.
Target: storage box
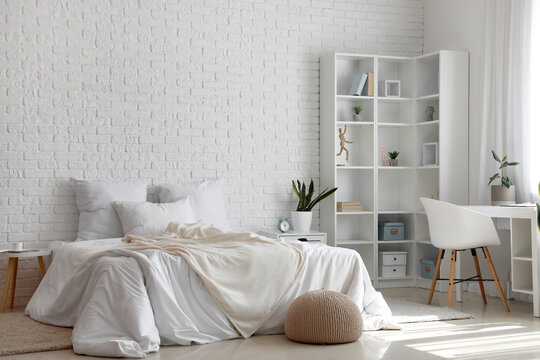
<point>391,231</point>
<point>392,264</point>
<point>428,268</point>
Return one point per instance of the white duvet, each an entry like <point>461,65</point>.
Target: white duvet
<point>126,304</point>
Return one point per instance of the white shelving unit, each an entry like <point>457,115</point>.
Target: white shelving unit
<point>392,193</point>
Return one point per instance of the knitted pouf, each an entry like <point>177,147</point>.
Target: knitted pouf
<point>323,317</point>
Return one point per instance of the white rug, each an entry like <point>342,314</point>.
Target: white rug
<point>410,312</point>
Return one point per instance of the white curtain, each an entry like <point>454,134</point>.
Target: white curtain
<point>506,125</point>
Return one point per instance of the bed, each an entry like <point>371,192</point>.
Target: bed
<point>126,301</point>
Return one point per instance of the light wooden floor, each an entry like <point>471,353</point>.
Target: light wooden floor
<point>492,334</point>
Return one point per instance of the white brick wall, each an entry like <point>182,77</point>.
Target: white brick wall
<point>170,91</point>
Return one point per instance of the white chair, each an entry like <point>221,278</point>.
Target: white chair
<point>456,228</point>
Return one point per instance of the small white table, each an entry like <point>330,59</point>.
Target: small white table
<point>11,273</point>
<point>307,236</point>
<point>524,248</point>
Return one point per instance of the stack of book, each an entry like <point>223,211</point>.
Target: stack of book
<point>345,206</point>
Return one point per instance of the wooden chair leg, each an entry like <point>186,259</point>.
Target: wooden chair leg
<point>451,280</point>
<point>496,278</point>
<point>6,284</point>
<point>435,275</point>
<point>480,282</point>
<point>13,282</point>
<point>41,266</point>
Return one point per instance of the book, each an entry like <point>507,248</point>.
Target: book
<point>370,84</point>
<point>340,203</point>
<point>365,89</point>
<point>358,84</point>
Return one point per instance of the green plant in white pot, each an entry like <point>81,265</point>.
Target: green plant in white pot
<point>302,217</point>
<point>505,193</point>
<point>357,116</point>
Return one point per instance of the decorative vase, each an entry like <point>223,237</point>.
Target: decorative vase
<point>301,220</point>
<point>501,195</point>
<point>393,162</point>
<point>357,117</point>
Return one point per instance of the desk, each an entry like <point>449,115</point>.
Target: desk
<point>524,248</point>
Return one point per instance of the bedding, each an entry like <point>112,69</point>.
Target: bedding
<point>127,303</point>
<point>146,218</point>
<point>207,200</point>
<point>97,217</point>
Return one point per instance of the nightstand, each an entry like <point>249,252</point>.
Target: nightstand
<point>307,236</point>
<point>11,273</point>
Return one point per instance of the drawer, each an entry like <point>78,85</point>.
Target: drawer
<point>393,271</point>
<point>393,259</point>
<point>310,238</point>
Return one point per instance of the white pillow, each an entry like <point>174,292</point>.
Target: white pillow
<point>145,218</point>
<point>97,219</point>
<point>207,200</point>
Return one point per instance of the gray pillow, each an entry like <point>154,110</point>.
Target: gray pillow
<point>98,219</point>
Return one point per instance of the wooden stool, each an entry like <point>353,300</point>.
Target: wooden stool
<point>11,273</point>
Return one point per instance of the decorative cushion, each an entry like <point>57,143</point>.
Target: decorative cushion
<point>323,317</point>
<point>207,200</point>
<point>97,217</point>
<point>146,218</point>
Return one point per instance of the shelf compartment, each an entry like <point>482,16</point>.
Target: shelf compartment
<point>408,219</point>
<point>395,192</point>
<point>361,150</point>
<point>355,185</point>
<point>521,238</point>
<point>427,76</point>
<point>344,109</point>
<point>392,112</point>
<point>522,275</point>
<point>398,138</point>
<point>421,107</point>
<point>347,67</point>
<point>400,69</point>
<point>427,185</point>
<point>351,229</point>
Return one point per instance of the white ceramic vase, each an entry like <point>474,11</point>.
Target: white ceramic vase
<point>357,117</point>
<point>501,195</point>
<point>301,220</point>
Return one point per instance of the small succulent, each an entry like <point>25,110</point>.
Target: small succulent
<point>505,180</point>
<point>304,200</point>
<point>357,110</point>
<point>393,154</point>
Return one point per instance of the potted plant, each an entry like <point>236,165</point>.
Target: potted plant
<point>506,192</point>
<point>356,115</point>
<point>301,218</point>
<point>393,157</point>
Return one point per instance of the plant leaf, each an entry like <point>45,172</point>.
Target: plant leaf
<point>326,193</point>
<point>503,165</point>
<point>506,182</point>
<point>491,179</point>
<point>513,164</point>
<point>504,158</point>
<point>495,156</point>
<point>538,211</point>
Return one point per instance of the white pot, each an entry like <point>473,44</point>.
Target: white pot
<point>500,195</point>
<point>357,117</point>
<point>301,220</point>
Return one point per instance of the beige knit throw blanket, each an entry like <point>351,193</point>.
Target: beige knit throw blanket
<point>248,275</point>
